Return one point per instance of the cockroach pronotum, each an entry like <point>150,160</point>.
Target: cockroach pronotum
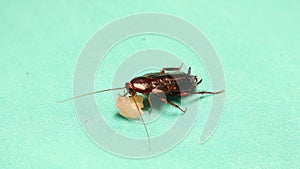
<point>173,84</point>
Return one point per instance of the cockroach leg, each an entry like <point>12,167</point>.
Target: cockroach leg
<point>202,92</point>
<point>173,104</point>
<point>171,69</point>
<point>199,82</point>
<point>150,103</point>
<point>125,93</point>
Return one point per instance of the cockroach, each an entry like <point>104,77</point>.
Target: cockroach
<point>172,84</point>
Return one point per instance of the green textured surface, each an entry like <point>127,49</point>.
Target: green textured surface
<point>258,45</point>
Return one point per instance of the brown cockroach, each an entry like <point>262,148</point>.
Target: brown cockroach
<point>173,84</point>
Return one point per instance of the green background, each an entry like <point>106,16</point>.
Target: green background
<point>257,43</point>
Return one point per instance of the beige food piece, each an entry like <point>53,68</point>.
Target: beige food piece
<point>127,107</point>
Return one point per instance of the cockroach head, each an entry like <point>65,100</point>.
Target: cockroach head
<point>128,87</point>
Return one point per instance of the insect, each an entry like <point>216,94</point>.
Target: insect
<point>169,81</point>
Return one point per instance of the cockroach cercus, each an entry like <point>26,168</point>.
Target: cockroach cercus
<point>169,81</point>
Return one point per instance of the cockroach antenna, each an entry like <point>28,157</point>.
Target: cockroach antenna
<point>120,88</point>
<point>143,123</point>
<point>61,101</point>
